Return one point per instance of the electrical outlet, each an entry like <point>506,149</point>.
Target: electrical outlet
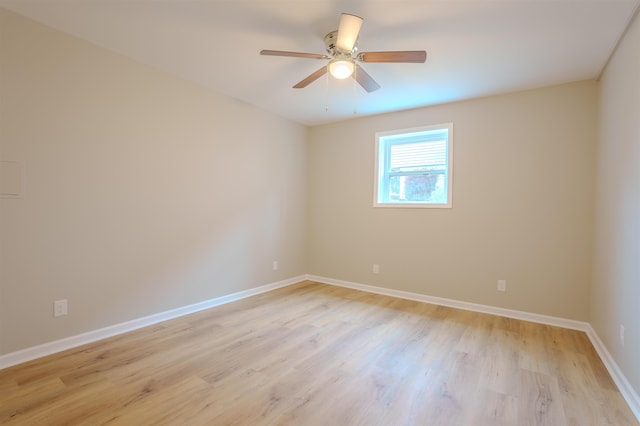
<point>60,308</point>
<point>622,334</point>
<point>275,265</point>
<point>502,285</point>
<point>376,268</point>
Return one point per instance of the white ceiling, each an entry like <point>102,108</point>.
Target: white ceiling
<point>475,48</point>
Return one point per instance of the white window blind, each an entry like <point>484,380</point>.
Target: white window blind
<point>418,155</point>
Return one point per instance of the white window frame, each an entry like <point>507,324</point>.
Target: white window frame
<point>384,140</point>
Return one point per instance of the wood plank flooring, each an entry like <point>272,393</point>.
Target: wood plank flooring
<point>313,354</point>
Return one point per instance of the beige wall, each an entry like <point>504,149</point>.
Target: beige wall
<point>142,193</point>
<point>522,204</point>
<point>616,287</point>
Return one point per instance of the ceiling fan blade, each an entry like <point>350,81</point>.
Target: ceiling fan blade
<point>348,32</point>
<point>293,54</point>
<point>311,78</point>
<point>414,56</point>
<point>365,80</point>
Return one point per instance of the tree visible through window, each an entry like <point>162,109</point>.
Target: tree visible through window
<point>414,167</point>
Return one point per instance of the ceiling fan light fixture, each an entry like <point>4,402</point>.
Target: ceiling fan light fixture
<point>341,68</point>
<point>342,54</point>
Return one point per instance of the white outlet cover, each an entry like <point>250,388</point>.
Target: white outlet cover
<point>60,308</point>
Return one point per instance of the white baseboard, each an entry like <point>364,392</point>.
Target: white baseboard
<point>509,313</point>
<point>627,391</point>
<point>49,348</point>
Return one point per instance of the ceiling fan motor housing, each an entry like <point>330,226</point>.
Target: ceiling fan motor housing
<point>330,44</point>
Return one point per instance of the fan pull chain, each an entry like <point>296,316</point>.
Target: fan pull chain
<point>326,92</point>
<point>355,92</point>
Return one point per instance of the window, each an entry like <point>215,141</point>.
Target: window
<point>413,167</point>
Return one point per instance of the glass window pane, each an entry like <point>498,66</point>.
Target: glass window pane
<point>429,188</point>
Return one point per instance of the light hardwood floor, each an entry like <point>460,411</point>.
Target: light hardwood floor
<point>313,354</point>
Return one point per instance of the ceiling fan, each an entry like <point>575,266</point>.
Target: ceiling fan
<point>343,55</point>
